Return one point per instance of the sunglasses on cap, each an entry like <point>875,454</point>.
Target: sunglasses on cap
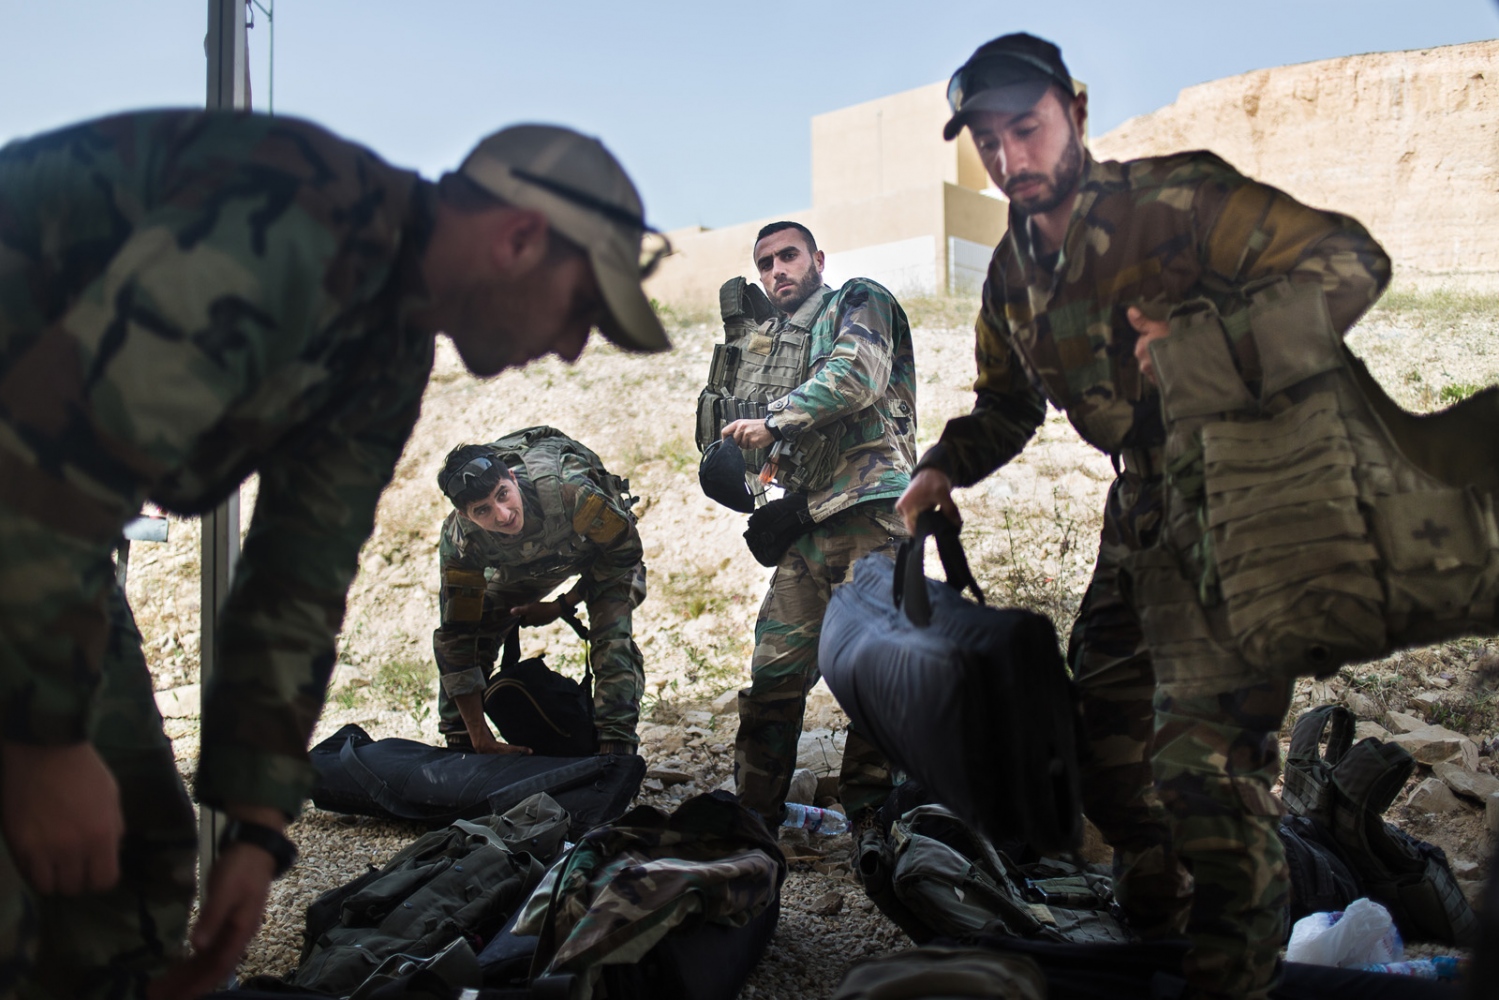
<point>472,472</point>
<point>1002,68</point>
<point>649,258</point>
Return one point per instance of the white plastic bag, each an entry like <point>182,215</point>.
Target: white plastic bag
<point>1361,935</point>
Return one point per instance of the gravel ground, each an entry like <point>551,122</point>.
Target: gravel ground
<point>1030,534</point>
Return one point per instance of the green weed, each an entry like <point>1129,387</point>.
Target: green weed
<point>942,312</point>
<point>1456,393</point>
<point>407,687</point>
<point>1442,305</point>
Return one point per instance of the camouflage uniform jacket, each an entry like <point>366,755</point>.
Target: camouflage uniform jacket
<point>187,298</point>
<point>1152,233</point>
<point>628,883</point>
<point>577,531</point>
<point>863,374</point>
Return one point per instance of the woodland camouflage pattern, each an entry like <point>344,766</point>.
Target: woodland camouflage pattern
<point>626,885</point>
<point>187,298</point>
<point>863,375</point>
<point>1178,778</point>
<point>485,574</point>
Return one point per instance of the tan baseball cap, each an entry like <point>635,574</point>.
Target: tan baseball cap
<point>588,198</point>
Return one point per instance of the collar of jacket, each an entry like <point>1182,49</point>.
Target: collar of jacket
<point>1097,178</point>
<point>806,314</point>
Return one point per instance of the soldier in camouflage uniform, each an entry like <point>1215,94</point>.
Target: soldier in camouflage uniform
<point>1180,768</point>
<point>187,298</point>
<point>519,533</point>
<point>861,386</point>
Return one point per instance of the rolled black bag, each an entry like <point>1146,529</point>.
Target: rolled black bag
<point>403,779</point>
<point>534,706</point>
<point>973,702</point>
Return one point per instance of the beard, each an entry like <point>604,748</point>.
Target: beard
<point>800,292</point>
<point>1057,188</point>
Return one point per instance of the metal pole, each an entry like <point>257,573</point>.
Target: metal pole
<point>227,80</point>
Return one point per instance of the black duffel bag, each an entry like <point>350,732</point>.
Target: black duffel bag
<point>534,706</point>
<point>973,702</point>
<point>403,779</point>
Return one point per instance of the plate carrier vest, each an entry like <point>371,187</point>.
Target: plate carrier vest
<point>1310,521</point>
<point>754,366</point>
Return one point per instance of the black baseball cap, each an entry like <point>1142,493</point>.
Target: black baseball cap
<point>1009,74</point>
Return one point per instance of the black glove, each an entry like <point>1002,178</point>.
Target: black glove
<point>776,525</point>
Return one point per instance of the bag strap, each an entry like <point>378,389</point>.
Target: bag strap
<point>511,655</point>
<point>910,582</point>
<point>379,791</point>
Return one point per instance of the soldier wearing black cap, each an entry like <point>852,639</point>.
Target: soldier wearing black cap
<point>1182,750</point>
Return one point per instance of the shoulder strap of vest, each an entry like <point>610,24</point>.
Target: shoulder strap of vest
<point>1372,773</point>
<point>1306,736</point>
<point>738,298</point>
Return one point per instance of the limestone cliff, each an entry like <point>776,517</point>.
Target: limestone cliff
<point>1406,142</point>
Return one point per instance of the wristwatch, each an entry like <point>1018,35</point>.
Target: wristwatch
<point>281,850</point>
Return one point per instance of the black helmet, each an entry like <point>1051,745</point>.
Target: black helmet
<point>721,475</point>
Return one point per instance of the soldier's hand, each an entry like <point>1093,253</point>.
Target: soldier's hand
<point>233,908</point>
<point>486,743</point>
<point>539,613</point>
<point>60,812</point>
<point>1150,330</point>
<point>930,489</point>
<point>749,434</point>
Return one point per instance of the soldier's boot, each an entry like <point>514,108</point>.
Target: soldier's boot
<point>770,724</point>
<point>1216,759</point>
<point>864,781</point>
<point>1152,886</point>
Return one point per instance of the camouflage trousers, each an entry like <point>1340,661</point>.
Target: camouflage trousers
<point>466,656</point>
<point>784,665</point>
<point>109,944</point>
<point>1178,778</point>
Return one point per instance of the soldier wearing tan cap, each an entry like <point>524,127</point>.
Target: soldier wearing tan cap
<point>187,298</point>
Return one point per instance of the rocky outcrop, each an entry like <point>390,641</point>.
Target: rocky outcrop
<point>1406,142</point>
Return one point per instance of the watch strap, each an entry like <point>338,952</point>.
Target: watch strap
<point>274,843</point>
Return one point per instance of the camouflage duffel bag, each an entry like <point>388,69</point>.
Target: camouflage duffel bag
<point>666,907</point>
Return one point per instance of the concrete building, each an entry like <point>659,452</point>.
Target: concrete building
<point>890,201</point>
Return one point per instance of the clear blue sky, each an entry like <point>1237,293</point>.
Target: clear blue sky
<point>706,103</point>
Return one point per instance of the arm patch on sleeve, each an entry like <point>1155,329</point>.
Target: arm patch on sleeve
<point>596,521</point>
<point>463,593</point>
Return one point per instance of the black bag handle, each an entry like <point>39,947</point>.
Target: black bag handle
<point>511,656</point>
<point>910,582</point>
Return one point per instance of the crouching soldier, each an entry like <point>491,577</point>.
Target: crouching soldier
<point>532,510</point>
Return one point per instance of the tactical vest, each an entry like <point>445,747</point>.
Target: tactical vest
<point>1345,791</point>
<point>754,366</point>
<point>568,537</point>
<point>1310,522</point>
<point>938,877</point>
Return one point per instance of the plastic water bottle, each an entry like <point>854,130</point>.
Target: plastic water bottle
<point>1447,968</point>
<point>815,820</point>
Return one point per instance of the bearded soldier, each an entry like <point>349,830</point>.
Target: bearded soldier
<point>187,298</point>
<point>1180,766</point>
<point>532,510</point>
<point>855,407</point>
